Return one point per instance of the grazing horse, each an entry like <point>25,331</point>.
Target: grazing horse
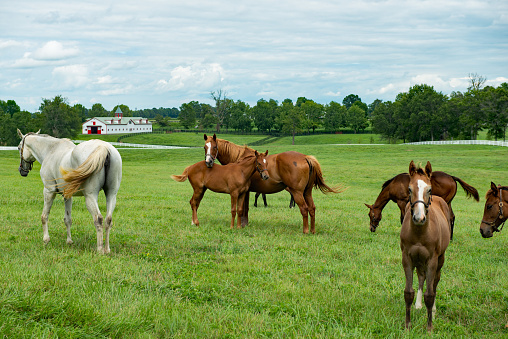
<point>395,189</point>
<point>424,237</point>
<point>233,178</point>
<point>495,212</point>
<point>296,172</point>
<point>69,170</point>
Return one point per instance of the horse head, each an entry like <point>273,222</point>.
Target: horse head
<point>420,192</point>
<point>493,214</point>
<point>27,158</point>
<point>374,216</point>
<point>211,150</point>
<point>262,164</point>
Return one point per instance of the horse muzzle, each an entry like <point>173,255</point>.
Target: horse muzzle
<point>487,232</point>
<point>265,176</point>
<point>22,171</point>
<point>373,228</point>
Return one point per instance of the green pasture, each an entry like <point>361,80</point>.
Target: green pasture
<point>166,278</point>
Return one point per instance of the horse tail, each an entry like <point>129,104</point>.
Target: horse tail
<point>75,177</point>
<point>316,177</point>
<point>182,177</point>
<point>470,190</point>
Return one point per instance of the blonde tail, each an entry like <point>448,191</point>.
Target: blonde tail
<point>182,177</point>
<point>75,177</point>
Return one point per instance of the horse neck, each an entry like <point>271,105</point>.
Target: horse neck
<point>248,164</point>
<point>41,146</point>
<point>383,198</point>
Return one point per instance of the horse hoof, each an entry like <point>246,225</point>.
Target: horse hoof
<point>46,240</point>
<point>70,242</point>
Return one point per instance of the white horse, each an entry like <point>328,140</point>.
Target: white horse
<point>70,170</point>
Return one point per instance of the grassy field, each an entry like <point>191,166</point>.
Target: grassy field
<point>167,278</point>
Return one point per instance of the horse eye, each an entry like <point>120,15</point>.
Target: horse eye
<point>489,207</point>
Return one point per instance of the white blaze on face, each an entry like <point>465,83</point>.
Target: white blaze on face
<point>264,160</point>
<point>419,209</point>
<point>208,151</point>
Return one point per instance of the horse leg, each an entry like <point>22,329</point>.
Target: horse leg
<point>234,202</point>
<point>430,293</point>
<point>402,206</point>
<point>304,209</point>
<point>48,202</point>
<point>110,207</point>
<point>199,192</point>
<point>239,206</point>
<point>312,209</point>
<point>245,213</point>
<point>421,280</point>
<point>256,199</point>
<point>452,221</point>
<point>440,262</point>
<point>68,219</point>
<point>409,292</point>
<point>264,200</point>
<point>93,208</point>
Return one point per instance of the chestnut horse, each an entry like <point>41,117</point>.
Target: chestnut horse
<point>495,212</point>
<point>233,179</point>
<point>395,189</point>
<point>424,237</point>
<point>294,171</point>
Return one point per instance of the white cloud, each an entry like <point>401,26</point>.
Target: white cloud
<point>54,50</point>
<point>72,76</point>
<point>196,76</point>
<point>333,94</point>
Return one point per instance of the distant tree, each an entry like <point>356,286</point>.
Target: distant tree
<point>8,134</point>
<point>350,100</point>
<point>208,121</point>
<point>384,121</point>
<point>61,120</point>
<point>373,106</point>
<point>291,118</point>
<point>335,116</point>
<point>356,119</point>
<point>313,113</point>
<point>222,107</point>
<point>82,111</point>
<point>240,119</point>
<point>264,114</point>
<point>188,115</point>
<point>9,107</point>
<point>125,110</point>
<point>476,82</point>
<point>98,111</point>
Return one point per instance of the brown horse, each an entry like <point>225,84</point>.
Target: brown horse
<point>495,212</point>
<point>233,179</point>
<point>424,237</point>
<point>291,201</point>
<point>296,172</point>
<point>395,189</point>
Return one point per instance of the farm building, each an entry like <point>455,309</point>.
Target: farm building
<point>116,125</point>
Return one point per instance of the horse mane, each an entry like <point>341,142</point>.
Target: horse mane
<point>389,181</point>
<point>230,152</point>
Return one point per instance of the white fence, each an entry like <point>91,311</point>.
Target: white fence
<point>461,142</point>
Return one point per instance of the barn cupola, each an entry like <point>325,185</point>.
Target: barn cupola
<point>118,113</point>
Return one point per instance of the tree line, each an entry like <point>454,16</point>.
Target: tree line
<point>423,114</point>
<point>420,114</point>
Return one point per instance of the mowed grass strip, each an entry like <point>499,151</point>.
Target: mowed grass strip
<point>167,278</point>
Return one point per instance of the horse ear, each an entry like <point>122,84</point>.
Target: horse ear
<point>20,134</point>
<point>428,169</point>
<point>214,137</point>
<point>368,206</point>
<point>412,167</point>
<point>266,153</point>
<point>256,153</point>
<point>494,188</point>
<point>205,137</point>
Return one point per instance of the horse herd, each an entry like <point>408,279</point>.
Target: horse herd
<point>424,197</point>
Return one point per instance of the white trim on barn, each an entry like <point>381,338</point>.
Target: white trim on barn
<point>116,125</point>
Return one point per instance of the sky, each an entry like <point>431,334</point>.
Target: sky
<point>156,53</point>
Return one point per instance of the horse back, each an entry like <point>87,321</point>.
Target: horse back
<point>443,185</point>
<point>289,167</point>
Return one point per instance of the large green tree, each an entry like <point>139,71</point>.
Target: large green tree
<point>335,116</point>
<point>60,119</point>
<point>187,114</point>
<point>290,118</point>
<point>356,118</point>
